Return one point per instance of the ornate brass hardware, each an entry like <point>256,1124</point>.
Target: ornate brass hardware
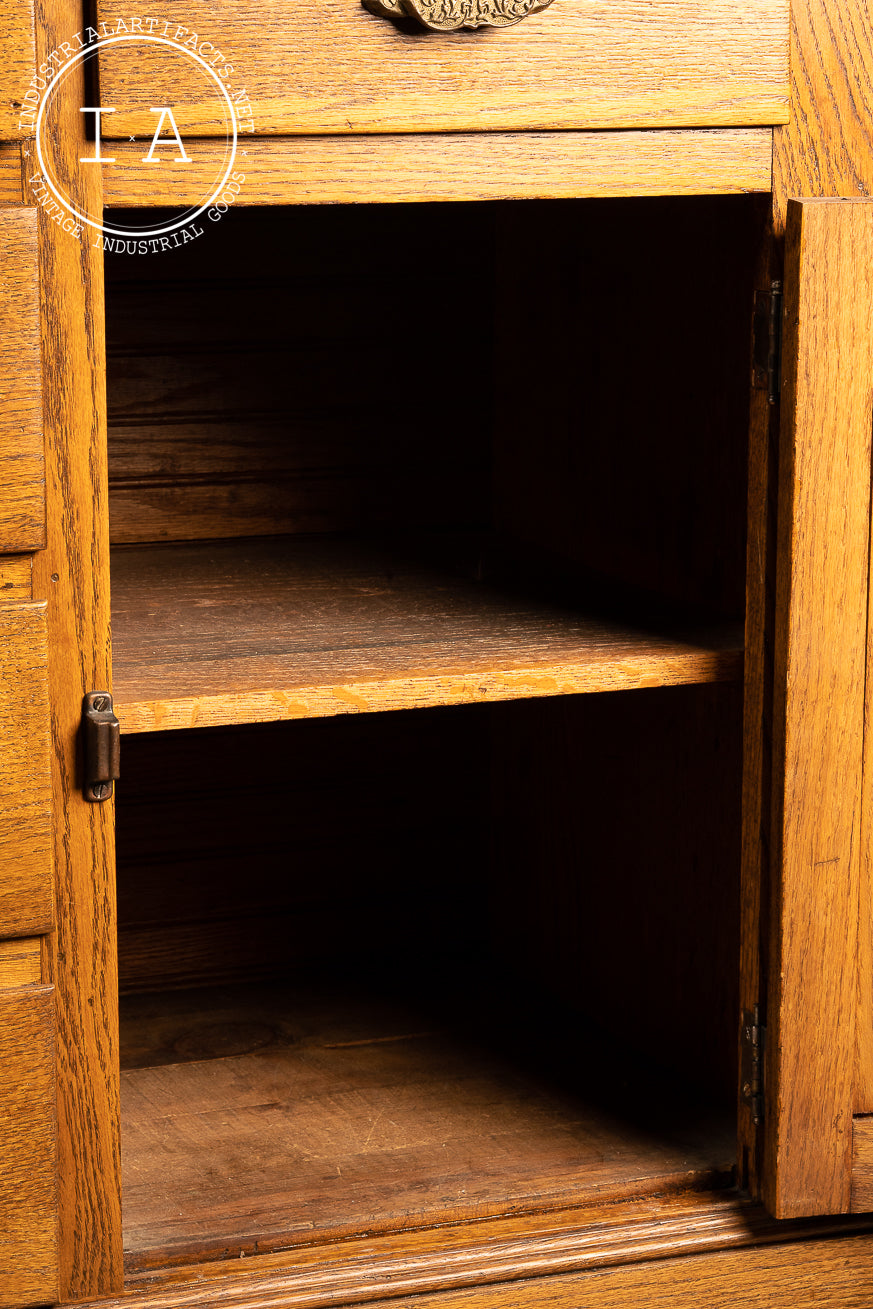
<point>450,15</point>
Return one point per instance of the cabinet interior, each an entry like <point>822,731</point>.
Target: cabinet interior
<point>476,955</point>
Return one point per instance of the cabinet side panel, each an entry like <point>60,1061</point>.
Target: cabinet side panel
<point>22,470</point>
<point>72,574</point>
<point>824,493</point>
<point>17,64</point>
<point>28,1198</point>
<point>26,900</point>
<point>826,147</point>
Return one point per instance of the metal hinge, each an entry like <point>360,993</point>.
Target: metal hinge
<point>767,341</point>
<point>101,739</point>
<point>753,1036</point>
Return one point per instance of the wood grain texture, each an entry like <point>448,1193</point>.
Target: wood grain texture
<point>460,166</point>
<point>519,1254</point>
<point>262,1119</point>
<point>22,464</point>
<point>17,64</point>
<point>10,173</point>
<point>862,1165</point>
<point>267,630</point>
<point>20,962</point>
<point>824,491</point>
<point>583,65</point>
<point>28,1182</point>
<point>72,575</point>
<point>826,147</point>
<point>26,891</point>
<point>16,578</point>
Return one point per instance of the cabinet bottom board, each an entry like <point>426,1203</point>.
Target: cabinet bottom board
<point>258,1119</point>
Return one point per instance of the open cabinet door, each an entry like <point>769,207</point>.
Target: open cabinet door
<point>811,999</point>
<point>28,1174</point>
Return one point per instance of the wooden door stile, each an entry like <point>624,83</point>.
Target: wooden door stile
<point>72,576</point>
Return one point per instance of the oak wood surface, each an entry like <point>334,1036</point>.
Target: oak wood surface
<point>274,629</point>
<point>824,481</point>
<point>16,578</point>
<point>26,891</point>
<point>862,1165</point>
<point>522,1251</point>
<point>72,575</point>
<point>258,1119</point>
<point>459,166</point>
<point>20,962</point>
<point>582,65</point>
<point>17,63</point>
<point>825,147</point>
<point>22,465</point>
<point>28,1181</point>
<point>10,173</point>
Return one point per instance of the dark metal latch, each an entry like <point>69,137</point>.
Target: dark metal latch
<point>101,738</point>
<point>752,1067</point>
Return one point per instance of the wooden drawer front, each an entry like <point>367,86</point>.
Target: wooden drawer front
<point>17,63</point>
<point>28,1199</point>
<point>22,464</point>
<point>331,66</point>
<point>25,781</point>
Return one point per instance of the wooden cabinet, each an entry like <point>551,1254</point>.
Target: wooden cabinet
<point>334,67</point>
<point>490,842</point>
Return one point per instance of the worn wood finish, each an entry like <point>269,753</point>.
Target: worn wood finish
<point>16,580</point>
<point>583,65</point>
<point>400,1119</point>
<point>522,1251</point>
<point>275,629</point>
<point>10,173</point>
<point>22,465</point>
<point>17,64</point>
<point>20,962</point>
<point>862,1165</point>
<point>28,1182</point>
<point>826,146</point>
<point>824,491</point>
<point>26,893</point>
<point>460,166</point>
<point>72,574</point>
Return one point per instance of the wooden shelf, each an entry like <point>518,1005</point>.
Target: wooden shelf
<point>258,1119</point>
<point>284,628</point>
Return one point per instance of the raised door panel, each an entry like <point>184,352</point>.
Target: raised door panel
<point>17,64</point>
<point>330,66</point>
<point>28,1175</point>
<point>810,1068</point>
<point>26,898</point>
<point>22,460</point>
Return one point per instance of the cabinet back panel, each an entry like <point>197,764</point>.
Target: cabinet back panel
<point>303,371</point>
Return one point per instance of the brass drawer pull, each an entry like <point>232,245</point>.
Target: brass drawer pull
<point>450,15</point>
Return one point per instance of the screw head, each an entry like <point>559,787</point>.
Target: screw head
<point>100,790</point>
<point>99,703</point>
